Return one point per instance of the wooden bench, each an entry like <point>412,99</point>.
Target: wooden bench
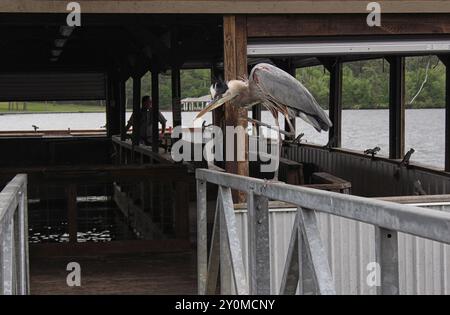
<point>325,181</point>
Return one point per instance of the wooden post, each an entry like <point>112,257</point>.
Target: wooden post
<point>335,103</point>
<point>155,109</point>
<point>136,109</point>
<point>235,65</point>
<point>292,70</point>
<point>176,96</point>
<point>113,101</point>
<point>334,67</point>
<point>256,112</point>
<point>218,114</point>
<point>445,59</point>
<point>109,105</point>
<point>121,98</point>
<point>447,114</point>
<point>176,77</point>
<point>72,212</point>
<point>396,107</point>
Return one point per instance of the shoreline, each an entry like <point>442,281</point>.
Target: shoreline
<point>169,111</point>
<point>35,113</point>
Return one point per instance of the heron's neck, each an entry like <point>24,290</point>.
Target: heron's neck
<point>248,96</point>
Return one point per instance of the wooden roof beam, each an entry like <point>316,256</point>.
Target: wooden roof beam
<point>345,25</point>
<point>226,6</point>
<point>151,45</point>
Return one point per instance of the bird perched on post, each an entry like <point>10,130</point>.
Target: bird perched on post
<point>373,151</point>
<point>277,91</point>
<point>407,157</point>
<point>274,89</point>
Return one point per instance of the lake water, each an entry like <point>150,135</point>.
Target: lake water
<point>362,129</point>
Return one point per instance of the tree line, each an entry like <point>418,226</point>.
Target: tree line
<point>194,83</point>
<point>365,84</point>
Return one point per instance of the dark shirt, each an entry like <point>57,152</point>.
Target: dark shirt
<point>146,124</point>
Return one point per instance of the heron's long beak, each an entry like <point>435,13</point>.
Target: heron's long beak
<point>215,104</point>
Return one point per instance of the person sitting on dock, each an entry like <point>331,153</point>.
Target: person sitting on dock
<point>146,128</point>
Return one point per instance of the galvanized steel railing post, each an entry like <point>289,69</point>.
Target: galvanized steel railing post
<point>224,254</point>
<point>307,285</point>
<point>7,256</point>
<point>307,258</point>
<point>214,255</point>
<point>24,275</point>
<point>232,243</point>
<point>14,271</point>
<point>202,245</point>
<point>292,268</point>
<point>421,222</point>
<point>258,244</point>
<point>386,253</point>
<point>313,255</point>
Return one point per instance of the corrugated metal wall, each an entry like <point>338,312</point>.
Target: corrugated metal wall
<point>52,86</point>
<point>370,177</point>
<point>424,265</point>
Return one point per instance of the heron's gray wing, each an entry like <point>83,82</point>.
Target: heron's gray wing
<point>280,87</point>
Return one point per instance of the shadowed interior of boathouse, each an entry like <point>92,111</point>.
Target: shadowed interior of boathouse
<point>139,222</point>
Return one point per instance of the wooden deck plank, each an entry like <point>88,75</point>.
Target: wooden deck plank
<point>162,273</point>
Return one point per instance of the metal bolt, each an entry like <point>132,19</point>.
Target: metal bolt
<point>259,221</point>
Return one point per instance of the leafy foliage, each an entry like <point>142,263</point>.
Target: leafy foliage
<point>365,84</point>
<point>194,83</point>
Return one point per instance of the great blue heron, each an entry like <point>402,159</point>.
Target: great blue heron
<point>274,89</point>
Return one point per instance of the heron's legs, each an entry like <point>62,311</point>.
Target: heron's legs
<point>280,144</point>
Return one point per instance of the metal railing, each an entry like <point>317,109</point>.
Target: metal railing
<point>14,267</point>
<point>307,268</point>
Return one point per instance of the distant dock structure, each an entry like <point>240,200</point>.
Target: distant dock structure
<point>192,104</point>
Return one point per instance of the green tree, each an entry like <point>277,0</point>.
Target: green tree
<point>365,84</point>
<point>194,83</point>
<point>316,80</point>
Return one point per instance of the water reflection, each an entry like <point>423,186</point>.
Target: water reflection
<point>97,222</point>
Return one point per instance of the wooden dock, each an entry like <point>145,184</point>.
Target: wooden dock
<point>149,273</point>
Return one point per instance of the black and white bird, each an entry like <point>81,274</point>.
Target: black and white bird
<point>274,89</point>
